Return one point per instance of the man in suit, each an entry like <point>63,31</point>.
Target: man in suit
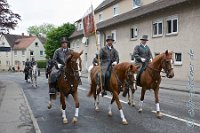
<point>59,58</point>
<point>108,56</point>
<point>142,55</point>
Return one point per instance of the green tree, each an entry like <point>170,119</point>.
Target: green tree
<point>54,36</point>
<point>8,19</point>
<point>40,30</point>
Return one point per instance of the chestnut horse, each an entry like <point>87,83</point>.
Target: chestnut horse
<point>151,78</point>
<point>67,84</point>
<point>120,73</point>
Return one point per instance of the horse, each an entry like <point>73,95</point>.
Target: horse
<point>67,83</point>
<point>34,74</point>
<point>151,78</point>
<point>119,74</point>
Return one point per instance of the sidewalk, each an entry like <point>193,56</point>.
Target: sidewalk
<point>15,113</point>
<point>171,84</point>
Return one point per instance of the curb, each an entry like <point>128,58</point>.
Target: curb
<point>174,89</point>
<point>35,124</point>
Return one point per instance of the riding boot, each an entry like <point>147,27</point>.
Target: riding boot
<point>52,90</point>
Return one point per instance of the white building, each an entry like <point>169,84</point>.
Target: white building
<point>15,49</point>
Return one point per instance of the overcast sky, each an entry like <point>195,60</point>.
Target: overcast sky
<point>57,12</point>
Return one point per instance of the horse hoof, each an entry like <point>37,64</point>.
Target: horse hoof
<point>124,122</point>
<point>110,114</point>
<point>140,110</point>
<point>129,103</point>
<point>158,115</point>
<point>49,106</point>
<point>133,105</point>
<point>97,109</point>
<point>74,120</point>
<point>65,121</point>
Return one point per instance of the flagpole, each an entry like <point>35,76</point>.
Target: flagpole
<point>98,50</point>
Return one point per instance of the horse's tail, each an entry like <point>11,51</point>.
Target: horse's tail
<point>89,72</point>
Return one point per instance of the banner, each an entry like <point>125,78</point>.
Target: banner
<point>88,22</point>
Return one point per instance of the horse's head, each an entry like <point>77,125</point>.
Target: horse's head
<point>166,64</point>
<point>74,61</point>
<point>130,73</point>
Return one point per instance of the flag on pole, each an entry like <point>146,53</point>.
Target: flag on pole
<point>88,22</point>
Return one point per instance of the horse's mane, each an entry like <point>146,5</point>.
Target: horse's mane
<point>158,57</point>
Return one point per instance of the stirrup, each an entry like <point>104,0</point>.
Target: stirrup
<point>103,93</point>
<point>52,91</point>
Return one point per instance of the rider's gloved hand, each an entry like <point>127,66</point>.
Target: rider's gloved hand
<point>114,63</point>
<point>143,59</point>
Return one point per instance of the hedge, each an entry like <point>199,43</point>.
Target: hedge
<point>41,63</point>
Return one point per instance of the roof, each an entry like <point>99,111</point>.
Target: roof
<point>138,12</point>
<point>76,34</point>
<point>12,38</point>
<point>105,4</point>
<point>42,40</point>
<point>24,42</point>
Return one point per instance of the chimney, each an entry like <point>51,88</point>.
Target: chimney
<point>22,35</point>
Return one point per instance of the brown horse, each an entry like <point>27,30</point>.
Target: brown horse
<point>67,84</point>
<point>151,78</point>
<point>120,73</point>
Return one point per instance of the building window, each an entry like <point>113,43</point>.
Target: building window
<point>178,59</point>
<point>157,28</point>
<point>23,52</point>
<point>99,39</point>
<point>15,53</point>
<point>23,62</point>
<point>136,3</point>
<point>100,17</point>
<point>80,26</point>
<point>36,44</point>
<point>41,53</point>
<point>114,35</point>
<point>7,63</point>
<point>31,53</point>
<point>3,44</point>
<point>115,10</point>
<point>172,25</point>
<point>134,33</point>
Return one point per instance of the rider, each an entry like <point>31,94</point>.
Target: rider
<point>48,66</point>
<point>142,55</point>
<point>33,62</point>
<point>108,56</point>
<point>27,68</point>
<point>59,57</point>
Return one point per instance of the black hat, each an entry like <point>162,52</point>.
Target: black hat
<point>110,38</point>
<point>64,40</point>
<point>144,38</point>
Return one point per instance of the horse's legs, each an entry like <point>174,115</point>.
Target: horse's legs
<point>96,98</point>
<point>75,96</point>
<point>142,99</point>
<point>62,101</point>
<point>132,103</point>
<point>115,96</point>
<point>158,114</point>
<point>110,107</point>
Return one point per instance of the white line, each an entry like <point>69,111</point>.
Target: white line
<point>171,116</point>
<point>180,119</point>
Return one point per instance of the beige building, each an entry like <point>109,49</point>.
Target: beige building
<point>16,49</point>
<point>170,24</point>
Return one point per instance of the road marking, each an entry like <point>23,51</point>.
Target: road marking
<point>180,119</point>
<point>170,116</point>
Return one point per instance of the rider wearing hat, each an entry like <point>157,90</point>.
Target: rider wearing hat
<point>59,57</point>
<point>27,68</point>
<point>142,55</point>
<point>108,56</point>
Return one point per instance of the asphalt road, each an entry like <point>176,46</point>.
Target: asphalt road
<point>172,104</point>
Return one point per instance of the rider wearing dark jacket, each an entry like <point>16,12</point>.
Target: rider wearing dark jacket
<point>27,68</point>
<point>59,57</point>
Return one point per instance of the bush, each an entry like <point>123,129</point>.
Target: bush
<point>41,63</point>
